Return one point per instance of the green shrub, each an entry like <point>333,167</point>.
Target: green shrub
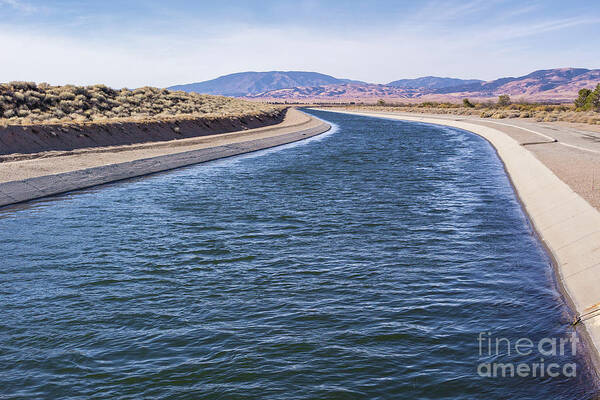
<point>588,100</point>
<point>593,100</point>
<point>468,104</point>
<point>503,100</point>
<point>581,100</point>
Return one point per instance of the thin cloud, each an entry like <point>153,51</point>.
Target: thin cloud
<point>517,31</point>
<point>470,42</point>
<point>440,11</point>
<point>18,5</point>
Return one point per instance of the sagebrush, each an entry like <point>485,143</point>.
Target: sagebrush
<point>536,111</point>
<point>23,103</point>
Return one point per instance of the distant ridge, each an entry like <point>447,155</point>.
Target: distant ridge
<point>252,83</point>
<point>560,84</point>
<point>432,82</point>
<point>537,81</point>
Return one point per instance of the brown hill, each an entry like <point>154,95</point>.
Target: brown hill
<point>556,85</point>
<point>340,92</point>
<point>553,85</point>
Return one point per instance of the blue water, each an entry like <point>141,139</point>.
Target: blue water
<point>361,264</point>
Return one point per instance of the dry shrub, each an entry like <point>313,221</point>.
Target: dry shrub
<point>27,103</point>
<point>539,112</point>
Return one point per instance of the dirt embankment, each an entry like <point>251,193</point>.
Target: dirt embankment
<point>28,139</point>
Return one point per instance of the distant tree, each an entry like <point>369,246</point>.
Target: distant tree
<point>593,100</point>
<point>381,102</point>
<point>467,103</point>
<point>503,100</point>
<point>588,100</point>
<point>582,99</point>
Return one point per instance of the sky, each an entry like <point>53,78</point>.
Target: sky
<point>160,43</point>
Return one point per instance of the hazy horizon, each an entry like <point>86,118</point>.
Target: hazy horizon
<point>137,43</point>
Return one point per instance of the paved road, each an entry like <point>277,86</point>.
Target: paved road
<point>570,136</point>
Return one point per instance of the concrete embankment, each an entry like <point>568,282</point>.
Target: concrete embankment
<point>45,174</point>
<point>568,225</point>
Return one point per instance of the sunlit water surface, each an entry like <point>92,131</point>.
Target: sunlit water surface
<point>361,264</point>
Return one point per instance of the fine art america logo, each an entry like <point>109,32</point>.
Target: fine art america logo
<point>524,357</point>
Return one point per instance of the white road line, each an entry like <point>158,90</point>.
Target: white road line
<point>579,148</point>
<point>548,137</point>
<point>416,116</point>
<point>525,129</point>
<point>553,140</point>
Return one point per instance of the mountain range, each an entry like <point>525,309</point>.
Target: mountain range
<point>432,82</point>
<point>560,85</point>
<point>252,83</point>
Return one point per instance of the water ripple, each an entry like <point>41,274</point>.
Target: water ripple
<point>359,264</point>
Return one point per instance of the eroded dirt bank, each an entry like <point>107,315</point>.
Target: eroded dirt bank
<point>28,139</point>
